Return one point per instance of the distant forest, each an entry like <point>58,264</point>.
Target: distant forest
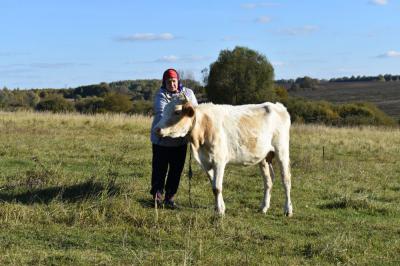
<point>135,97</point>
<point>383,78</point>
<point>128,96</point>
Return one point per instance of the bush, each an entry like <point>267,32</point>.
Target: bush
<point>353,114</point>
<point>90,105</point>
<point>113,102</point>
<point>362,113</point>
<point>312,112</point>
<point>307,82</point>
<point>117,103</point>
<point>282,94</point>
<point>99,90</point>
<point>142,107</point>
<point>55,104</point>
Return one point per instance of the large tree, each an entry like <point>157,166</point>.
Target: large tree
<point>240,76</point>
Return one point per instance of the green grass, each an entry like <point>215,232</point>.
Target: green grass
<point>74,191</point>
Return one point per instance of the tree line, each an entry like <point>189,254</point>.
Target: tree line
<point>128,96</point>
<point>238,76</point>
<point>306,80</point>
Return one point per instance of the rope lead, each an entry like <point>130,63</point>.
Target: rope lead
<point>190,175</point>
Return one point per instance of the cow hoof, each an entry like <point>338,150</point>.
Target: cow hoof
<point>288,210</point>
<point>219,214</point>
<point>264,210</point>
<point>221,209</point>
<point>288,214</point>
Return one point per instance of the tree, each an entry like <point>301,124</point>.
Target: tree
<point>32,98</point>
<point>99,90</point>
<point>117,103</point>
<point>90,105</point>
<point>56,104</point>
<point>142,107</point>
<point>306,82</point>
<point>240,76</point>
<point>5,96</point>
<point>204,75</point>
<point>186,74</point>
<point>282,93</point>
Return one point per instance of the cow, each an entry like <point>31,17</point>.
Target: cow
<point>244,134</point>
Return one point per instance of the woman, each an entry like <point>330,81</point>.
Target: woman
<point>168,153</point>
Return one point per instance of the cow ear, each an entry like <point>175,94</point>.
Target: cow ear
<point>188,110</point>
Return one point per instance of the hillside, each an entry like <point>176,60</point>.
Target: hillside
<point>74,191</point>
<point>386,95</point>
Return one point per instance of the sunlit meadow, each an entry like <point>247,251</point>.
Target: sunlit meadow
<point>74,191</point>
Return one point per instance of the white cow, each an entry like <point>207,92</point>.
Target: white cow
<point>221,134</point>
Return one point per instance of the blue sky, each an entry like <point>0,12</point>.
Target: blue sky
<point>59,44</point>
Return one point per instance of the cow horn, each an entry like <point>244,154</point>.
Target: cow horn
<point>185,98</point>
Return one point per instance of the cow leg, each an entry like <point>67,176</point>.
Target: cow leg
<point>210,174</point>
<point>265,168</point>
<point>207,167</point>
<point>284,162</point>
<point>217,189</point>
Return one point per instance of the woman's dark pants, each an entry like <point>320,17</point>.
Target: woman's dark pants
<point>168,162</point>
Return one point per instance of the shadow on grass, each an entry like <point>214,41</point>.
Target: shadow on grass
<point>396,188</point>
<point>149,203</point>
<point>146,203</point>
<point>356,204</point>
<point>73,193</point>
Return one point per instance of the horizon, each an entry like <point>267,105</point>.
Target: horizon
<point>72,43</point>
<point>201,83</point>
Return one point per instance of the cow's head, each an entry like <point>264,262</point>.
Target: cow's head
<point>177,118</point>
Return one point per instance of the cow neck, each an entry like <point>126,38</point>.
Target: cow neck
<point>199,132</point>
<point>191,133</point>
<point>193,124</point>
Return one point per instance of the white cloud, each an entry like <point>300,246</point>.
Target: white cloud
<point>258,5</point>
<point>168,59</point>
<point>378,2</point>
<point>147,37</point>
<point>305,30</point>
<point>56,65</point>
<point>390,54</point>
<point>187,59</point>
<point>263,20</point>
<point>195,58</point>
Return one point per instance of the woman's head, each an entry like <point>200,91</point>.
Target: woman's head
<point>171,80</point>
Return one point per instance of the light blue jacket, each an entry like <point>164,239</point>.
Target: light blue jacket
<point>161,99</point>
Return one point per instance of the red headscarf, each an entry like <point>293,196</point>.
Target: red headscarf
<point>170,73</point>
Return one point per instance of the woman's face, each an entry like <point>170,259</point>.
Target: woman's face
<point>172,84</point>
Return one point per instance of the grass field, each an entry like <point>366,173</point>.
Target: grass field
<point>74,191</point>
<point>386,95</point>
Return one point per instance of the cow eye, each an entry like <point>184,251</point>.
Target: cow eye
<point>178,112</point>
